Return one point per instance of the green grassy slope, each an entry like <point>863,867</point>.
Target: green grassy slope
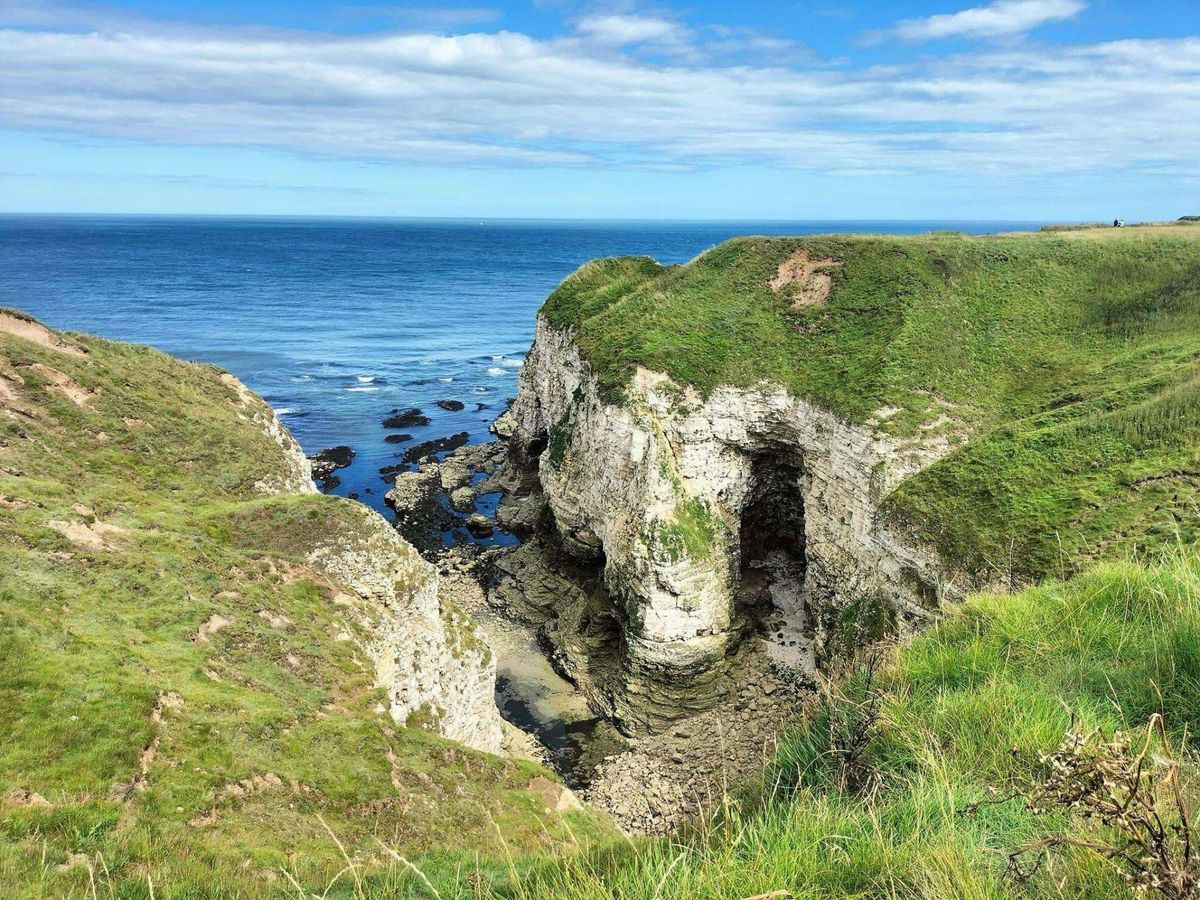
<point>258,735</point>
<point>937,804</point>
<point>1066,368</point>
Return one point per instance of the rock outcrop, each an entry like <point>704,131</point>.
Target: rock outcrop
<point>436,670</point>
<point>710,518</point>
<point>295,476</point>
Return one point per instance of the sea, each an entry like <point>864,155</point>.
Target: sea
<point>338,322</point>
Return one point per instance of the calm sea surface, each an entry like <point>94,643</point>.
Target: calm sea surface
<point>337,322</point>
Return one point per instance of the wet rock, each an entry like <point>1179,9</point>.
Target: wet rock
<point>454,475</point>
<point>463,499</point>
<point>490,485</point>
<point>451,405</point>
<point>521,515</point>
<point>480,526</point>
<point>326,462</point>
<point>397,438</point>
<point>438,445</point>
<point>505,425</point>
<point>480,407</point>
<point>413,490</point>
<point>405,418</point>
<point>389,473</point>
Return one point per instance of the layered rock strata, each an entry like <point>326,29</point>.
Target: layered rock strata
<point>710,518</point>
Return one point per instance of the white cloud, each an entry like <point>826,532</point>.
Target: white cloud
<point>1000,18</point>
<point>510,99</point>
<point>620,30</point>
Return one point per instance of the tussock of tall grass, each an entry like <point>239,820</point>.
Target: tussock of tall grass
<point>966,714</point>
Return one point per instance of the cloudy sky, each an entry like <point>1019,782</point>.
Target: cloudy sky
<point>1005,109</point>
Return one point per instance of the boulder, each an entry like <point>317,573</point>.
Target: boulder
<point>438,445</point>
<point>480,526</point>
<point>504,426</point>
<point>405,418</point>
<point>463,499</point>
<point>326,462</point>
<point>454,475</point>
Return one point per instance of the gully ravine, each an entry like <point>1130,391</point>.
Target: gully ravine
<point>661,577</point>
<point>552,628</point>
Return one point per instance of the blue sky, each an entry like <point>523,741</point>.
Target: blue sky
<point>950,109</point>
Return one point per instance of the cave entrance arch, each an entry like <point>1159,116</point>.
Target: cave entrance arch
<point>773,563</point>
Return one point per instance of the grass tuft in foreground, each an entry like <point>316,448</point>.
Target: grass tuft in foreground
<point>953,740</point>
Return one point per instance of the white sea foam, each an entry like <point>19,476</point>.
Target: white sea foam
<point>497,371</point>
<point>364,379</point>
<point>363,389</point>
<point>286,411</point>
<point>513,363</point>
<point>446,379</point>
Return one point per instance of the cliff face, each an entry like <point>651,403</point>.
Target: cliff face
<point>751,510</point>
<point>427,656</point>
<point>437,671</point>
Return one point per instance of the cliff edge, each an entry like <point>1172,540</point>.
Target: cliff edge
<point>815,441</point>
<point>205,665</point>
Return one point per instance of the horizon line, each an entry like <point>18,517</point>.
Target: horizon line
<point>484,219</point>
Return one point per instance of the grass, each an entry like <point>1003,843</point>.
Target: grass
<point>965,713</point>
<point>1062,367</point>
<point>688,535</point>
<point>1067,362</point>
<point>266,738</point>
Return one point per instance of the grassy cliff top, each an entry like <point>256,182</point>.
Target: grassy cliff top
<point>180,696</point>
<point>1065,367</point>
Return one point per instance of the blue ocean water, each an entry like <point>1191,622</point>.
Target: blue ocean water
<point>338,322</point>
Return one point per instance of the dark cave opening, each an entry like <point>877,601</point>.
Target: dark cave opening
<point>773,567</point>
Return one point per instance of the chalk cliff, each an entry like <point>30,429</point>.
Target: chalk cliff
<point>749,511</point>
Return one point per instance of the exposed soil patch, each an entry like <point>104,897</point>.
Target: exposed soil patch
<point>214,623</point>
<point>8,502</point>
<point>243,393</point>
<point>9,383</point>
<point>165,700</point>
<point>806,279</point>
<point>255,784</point>
<point>275,620</point>
<point>24,327</point>
<point>554,796</point>
<point>26,800</point>
<point>96,536</point>
<point>62,384</point>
